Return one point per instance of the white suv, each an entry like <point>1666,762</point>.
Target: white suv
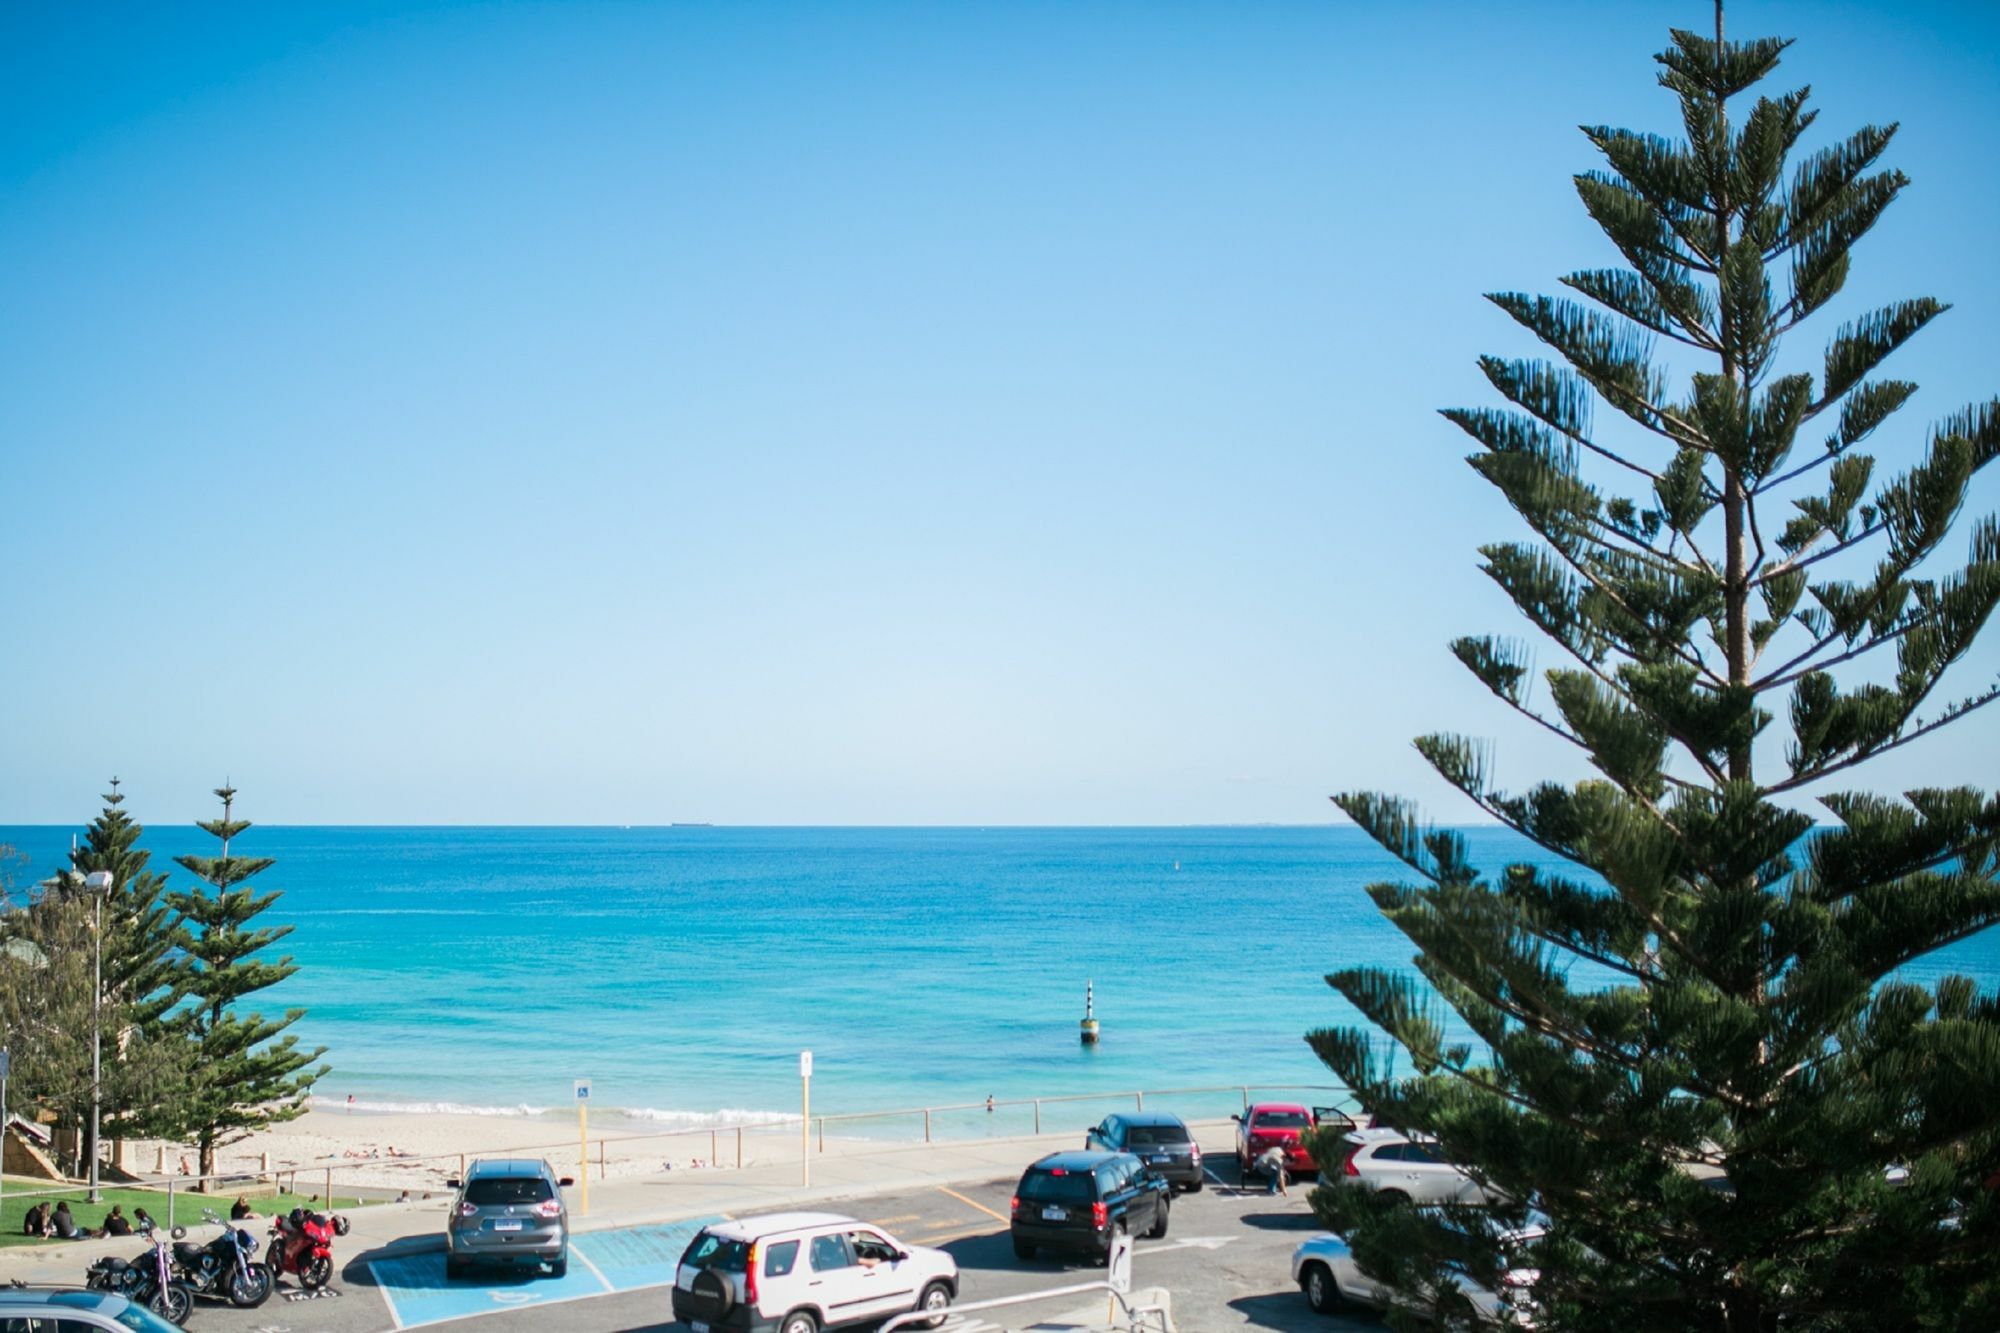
<point>1384,1161</point>
<point>801,1272</point>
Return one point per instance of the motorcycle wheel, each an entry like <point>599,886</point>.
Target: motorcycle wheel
<point>173,1303</point>
<point>252,1288</point>
<point>317,1274</point>
<point>274,1256</point>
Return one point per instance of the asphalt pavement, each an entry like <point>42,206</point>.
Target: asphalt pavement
<point>1225,1261</point>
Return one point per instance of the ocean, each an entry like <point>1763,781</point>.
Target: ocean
<point>683,969</point>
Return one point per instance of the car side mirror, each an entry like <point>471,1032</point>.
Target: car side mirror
<point>1237,1118</point>
<point>565,1182</point>
<point>453,1184</point>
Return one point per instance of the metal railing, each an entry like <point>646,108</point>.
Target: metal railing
<point>1137,1316</point>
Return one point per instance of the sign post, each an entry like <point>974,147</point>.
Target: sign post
<point>583,1145</point>
<point>805,1117</point>
<point>1118,1267</point>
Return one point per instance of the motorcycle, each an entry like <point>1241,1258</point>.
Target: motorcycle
<point>149,1282</point>
<point>225,1268</point>
<point>302,1244</point>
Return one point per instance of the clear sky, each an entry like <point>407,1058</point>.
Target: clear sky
<point>797,413</point>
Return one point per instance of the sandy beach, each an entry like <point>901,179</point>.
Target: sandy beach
<point>419,1151</point>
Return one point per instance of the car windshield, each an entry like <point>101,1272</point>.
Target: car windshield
<point>496,1191</point>
<point>1282,1120</point>
<point>1149,1136</point>
<point>1048,1187</point>
<point>709,1250</point>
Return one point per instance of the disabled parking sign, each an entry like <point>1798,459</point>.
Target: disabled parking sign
<point>583,1090</point>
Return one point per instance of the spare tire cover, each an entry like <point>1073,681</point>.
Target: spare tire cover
<point>713,1290</point>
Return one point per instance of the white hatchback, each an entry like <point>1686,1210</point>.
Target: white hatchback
<point>801,1272</point>
<point>1385,1161</point>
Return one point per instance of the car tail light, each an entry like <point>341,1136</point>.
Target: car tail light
<point>750,1277</point>
<point>1014,1206</point>
<point>1348,1167</point>
<point>468,1210</point>
<point>552,1208</point>
<point>1100,1215</point>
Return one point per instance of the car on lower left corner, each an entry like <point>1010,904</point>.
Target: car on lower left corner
<point>69,1310</point>
<point>507,1211</point>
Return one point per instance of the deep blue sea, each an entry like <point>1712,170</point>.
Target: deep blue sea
<point>683,969</point>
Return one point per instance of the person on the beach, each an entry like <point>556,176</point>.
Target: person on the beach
<point>989,1103</point>
<point>1272,1160</point>
<point>36,1223</point>
<point>115,1223</point>
<point>240,1209</point>
<point>63,1225</point>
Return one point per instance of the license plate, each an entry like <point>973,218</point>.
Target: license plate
<point>697,1326</point>
<point>1054,1214</point>
<point>1161,1160</point>
<point>508,1224</point>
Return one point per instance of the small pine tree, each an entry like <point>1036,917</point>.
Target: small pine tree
<point>1699,1061</point>
<point>245,1075</point>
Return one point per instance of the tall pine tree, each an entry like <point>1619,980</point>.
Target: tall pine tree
<point>142,973</point>
<point>1700,1062</point>
<point>246,1075</point>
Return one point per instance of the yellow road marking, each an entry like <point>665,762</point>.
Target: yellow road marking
<point>900,1217</point>
<point>973,1203</point>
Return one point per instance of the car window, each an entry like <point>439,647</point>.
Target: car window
<point>708,1250</point>
<point>869,1245</point>
<point>1147,1136</point>
<point>1281,1120</point>
<point>1388,1152</point>
<point>1417,1152</point>
<point>829,1252</point>
<point>778,1260</point>
<point>498,1191</point>
<point>1048,1187</point>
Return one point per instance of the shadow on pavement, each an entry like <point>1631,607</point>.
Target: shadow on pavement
<point>1288,1312</point>
<point>1290,1220</point>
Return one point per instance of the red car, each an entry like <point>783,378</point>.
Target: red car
<point>1283,1124</point>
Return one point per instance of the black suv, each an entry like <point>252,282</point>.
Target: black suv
<point>1078,1201</point>
<point>1159,1140</point>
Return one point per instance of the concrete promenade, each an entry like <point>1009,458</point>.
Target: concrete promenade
<point>847,1169</point>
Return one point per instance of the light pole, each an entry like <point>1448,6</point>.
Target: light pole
<point>99,883</point>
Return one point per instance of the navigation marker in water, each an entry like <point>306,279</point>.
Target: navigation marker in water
<point>1089,1024</point>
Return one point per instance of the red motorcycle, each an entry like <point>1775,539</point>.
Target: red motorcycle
<point>302,1244</point>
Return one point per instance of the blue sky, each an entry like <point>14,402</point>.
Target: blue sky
<point>822,413</point>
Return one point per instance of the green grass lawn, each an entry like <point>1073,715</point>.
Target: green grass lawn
<point>187,1207</point>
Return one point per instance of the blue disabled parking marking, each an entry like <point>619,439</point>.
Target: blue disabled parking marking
<point>634,1257</point>
<point>602,1262</point>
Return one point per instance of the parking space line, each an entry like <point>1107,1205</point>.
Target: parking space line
<point>972,1203</point>
<point>596,1272</point>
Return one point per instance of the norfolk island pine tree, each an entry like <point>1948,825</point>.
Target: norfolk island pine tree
<point>247,1072</point>
<point>1753,1029</point>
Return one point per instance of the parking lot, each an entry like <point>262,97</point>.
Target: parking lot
<point>1226,1260</point>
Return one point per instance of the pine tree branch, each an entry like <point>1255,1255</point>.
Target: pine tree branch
<point>1797,563</point>
<point>1800,780</point>
<point>1785,674</point>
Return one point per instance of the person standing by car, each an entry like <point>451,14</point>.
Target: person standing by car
<point>1272,1159</point>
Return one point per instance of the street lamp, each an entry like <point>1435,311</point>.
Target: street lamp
<point>99,883</point>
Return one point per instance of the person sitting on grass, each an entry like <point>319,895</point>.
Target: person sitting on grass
<point>36,1223</point>
<point>115,1223</point>
<point>63,1225</point>
<point>240,1209</point>
<point>142,1220</point>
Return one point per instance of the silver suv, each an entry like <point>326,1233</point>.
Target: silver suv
<point>33,1310</point>
<point>803,1272</point>
<point>509,1210</point>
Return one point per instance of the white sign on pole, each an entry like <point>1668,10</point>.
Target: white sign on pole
<point>583,1090</point>
<point>1120,1265</point>
<point>805,1064</point>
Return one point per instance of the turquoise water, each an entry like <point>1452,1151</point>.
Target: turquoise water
<point>683,969</point>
